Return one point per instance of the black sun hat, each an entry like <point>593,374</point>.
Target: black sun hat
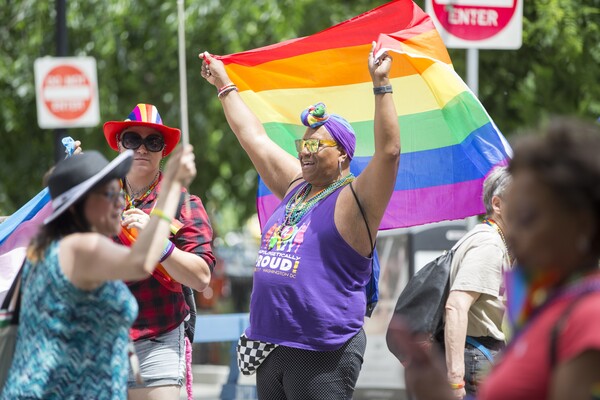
<point>77,175</point>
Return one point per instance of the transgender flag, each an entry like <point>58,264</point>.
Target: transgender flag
<point>15,234</point>
<point>449,142</point>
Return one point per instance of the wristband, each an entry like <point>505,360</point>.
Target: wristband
<point>160,214</point>
<point>169,247</point>
<point>383,89</point>
<point>226,89</point>
<point>457,386</point>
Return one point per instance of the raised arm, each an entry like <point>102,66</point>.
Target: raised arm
<point>88,259</point>
<point>375,185</point>
<point>276,167</point>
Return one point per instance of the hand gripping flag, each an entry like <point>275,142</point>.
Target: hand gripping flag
<point>449,142</point>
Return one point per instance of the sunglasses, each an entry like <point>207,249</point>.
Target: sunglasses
<point>313,145</point>
<point>133,141</point>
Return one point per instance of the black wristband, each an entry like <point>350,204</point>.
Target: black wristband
<point>383,89</point>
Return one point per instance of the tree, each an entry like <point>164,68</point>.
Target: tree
<point>135,45</point>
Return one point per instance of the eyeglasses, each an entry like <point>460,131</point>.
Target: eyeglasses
<point>313,145</point>
<point>110,195</point>
<point>133,141</point>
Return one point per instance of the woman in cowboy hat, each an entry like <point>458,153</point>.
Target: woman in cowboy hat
<point>76,313</point>
<point>158,333</point>
<point>308,299</point>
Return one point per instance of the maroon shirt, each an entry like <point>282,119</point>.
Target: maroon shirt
<point>160,309</point>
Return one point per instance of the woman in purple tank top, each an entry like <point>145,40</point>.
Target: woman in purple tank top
<point>308,300</point>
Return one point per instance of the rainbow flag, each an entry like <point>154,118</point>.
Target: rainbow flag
<point>449,142</point>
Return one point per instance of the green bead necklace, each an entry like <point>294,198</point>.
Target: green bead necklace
<point>297,206</point>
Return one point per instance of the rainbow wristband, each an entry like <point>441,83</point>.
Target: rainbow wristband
<point>457,386</point>
<point>160,214</point>
<point>169,247</point>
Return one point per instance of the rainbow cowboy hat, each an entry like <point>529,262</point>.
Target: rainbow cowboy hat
<point>142,115</point>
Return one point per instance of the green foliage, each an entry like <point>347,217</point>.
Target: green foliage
<point>135,45</point>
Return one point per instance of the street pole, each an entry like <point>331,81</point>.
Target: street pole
<point>473,83</point>
<point>61,51</point>
<point>473,70</point>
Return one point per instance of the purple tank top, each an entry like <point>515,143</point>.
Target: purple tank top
<point>308,290</point>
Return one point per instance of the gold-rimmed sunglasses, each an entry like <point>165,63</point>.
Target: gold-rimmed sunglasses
<point>313,145</point>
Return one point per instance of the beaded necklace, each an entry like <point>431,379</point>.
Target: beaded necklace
<point>492,223</point>
<point>297,206</point>
<point>130,199</point>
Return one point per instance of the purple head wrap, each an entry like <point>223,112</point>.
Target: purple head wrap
<point>336,125</point>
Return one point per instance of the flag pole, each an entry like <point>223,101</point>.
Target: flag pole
<point>182,75</point>
<point>183,102</point>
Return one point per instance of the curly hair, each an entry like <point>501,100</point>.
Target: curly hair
<point>566,158</point>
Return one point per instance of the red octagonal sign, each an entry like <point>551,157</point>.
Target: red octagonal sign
<point>478,23</point>
<point>67,92</point>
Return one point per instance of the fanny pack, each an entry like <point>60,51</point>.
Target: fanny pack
<point>251,353</point>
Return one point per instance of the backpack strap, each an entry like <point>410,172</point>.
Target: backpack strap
<point>362,212</point>
<point>188,292</point>
<point>475,343</point>
<point>294,181</point>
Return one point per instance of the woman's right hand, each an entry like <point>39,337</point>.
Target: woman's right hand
<point>423,370</point>
<point>379,68</point>
<point>181,166</point>
<point>213,70</point>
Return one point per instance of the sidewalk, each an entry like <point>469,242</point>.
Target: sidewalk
<point>209,380</point>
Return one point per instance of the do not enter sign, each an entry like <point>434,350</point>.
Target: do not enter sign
<point>67,92</point>
<point>483,24</point>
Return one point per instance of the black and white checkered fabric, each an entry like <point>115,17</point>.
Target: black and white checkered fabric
<point>251,353</point>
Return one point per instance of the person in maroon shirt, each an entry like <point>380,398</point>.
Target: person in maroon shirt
<point>553,216</point>
<point>187,259</point>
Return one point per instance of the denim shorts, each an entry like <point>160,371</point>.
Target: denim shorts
<point>162,360</point>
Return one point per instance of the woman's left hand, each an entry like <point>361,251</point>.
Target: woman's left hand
<point>78,148</point>
<point>379,68</point>
<point>135,218</point>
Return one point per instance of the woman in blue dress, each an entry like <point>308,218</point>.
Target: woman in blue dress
<point>72,340</point>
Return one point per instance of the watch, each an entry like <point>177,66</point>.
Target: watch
<point>383,89</point>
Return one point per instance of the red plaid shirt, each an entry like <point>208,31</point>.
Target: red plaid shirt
<point>161,310</point>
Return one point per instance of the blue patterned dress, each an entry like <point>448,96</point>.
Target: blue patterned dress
<point>71,343</point>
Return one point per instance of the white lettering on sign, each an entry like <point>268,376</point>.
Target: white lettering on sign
<point>477,3</point>
<point>473,16</point>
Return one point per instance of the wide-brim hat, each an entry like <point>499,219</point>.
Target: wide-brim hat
<point>142,115</point>
<point>75,176</point>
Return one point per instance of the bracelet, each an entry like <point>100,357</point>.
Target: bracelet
<point>457,386</point>
<point>226,86</point>
<point>169,247</point>
<point>383,89</point>
<point>226,90</point>
<point>160,214</point>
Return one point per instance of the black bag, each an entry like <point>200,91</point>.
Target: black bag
<point>190,323</point>
<point>9,323</point>
<point>422,303</point>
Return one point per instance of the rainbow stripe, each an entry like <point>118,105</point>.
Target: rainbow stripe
<point>145,113</point>
<point>449,142</point>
